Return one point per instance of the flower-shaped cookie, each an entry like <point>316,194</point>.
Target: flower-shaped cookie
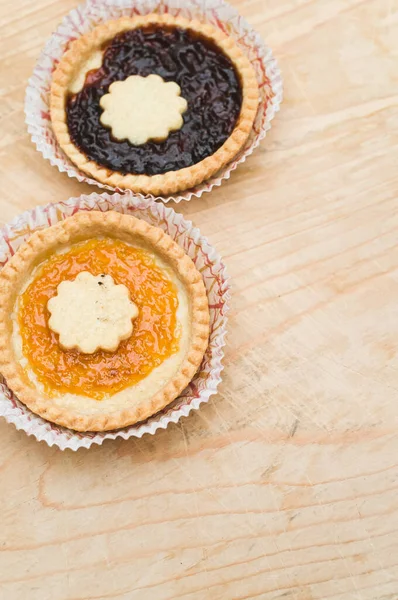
<point>140,109</point>
<point>91,313</point>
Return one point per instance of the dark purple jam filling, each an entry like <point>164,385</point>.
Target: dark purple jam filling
<point>208,82</point>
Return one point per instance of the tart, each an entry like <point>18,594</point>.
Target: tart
<point>154,104</point>
<point>104,320</point>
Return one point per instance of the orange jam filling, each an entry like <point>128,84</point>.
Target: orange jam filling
<point>154,337</point>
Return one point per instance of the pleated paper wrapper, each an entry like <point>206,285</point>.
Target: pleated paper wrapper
<point>207,261</point>
<point>86,16</point>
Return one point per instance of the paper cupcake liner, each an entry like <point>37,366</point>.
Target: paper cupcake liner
<point>93,12</point>
<point>207,261</point>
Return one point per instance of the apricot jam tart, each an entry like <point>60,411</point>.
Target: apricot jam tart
<point>104,320</point>
<point>154,104</point>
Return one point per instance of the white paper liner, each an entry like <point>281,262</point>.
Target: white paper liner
<point>93,12</point>
<point>207,261</point>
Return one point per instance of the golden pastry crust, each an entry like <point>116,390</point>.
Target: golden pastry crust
<point>173,181</point>
<point>74,229</point>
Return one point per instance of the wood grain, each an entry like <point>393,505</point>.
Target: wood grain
<point>285,485</point>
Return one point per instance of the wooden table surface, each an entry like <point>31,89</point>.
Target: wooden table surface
<point>285,485</point>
